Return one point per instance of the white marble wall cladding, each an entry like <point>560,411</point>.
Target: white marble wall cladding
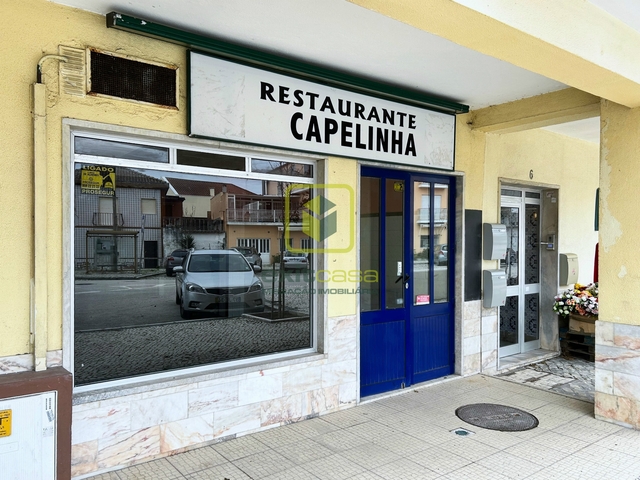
<point>472,309</point>
<point>16,363</point>
<point>100,422</point>
<point>471,364</point>
<point>489,340</point>
<point>349,392</point>
<point>54,358</point>
<point>489,361</point>
<point>471,337</point>
<point>338,373</point>
<point>490,325</point>
<point>111,431</point>
<point>84,458</point>
<point>617,397</point>
<point>186,433</point>
<point>158,410</point>
<point>24,363</point>
<point>471,345</point>
<point>125,449</point>
<point>210,399</point>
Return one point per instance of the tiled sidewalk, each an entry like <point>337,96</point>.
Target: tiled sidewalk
<point>408,436</point>
<point>574,377</point>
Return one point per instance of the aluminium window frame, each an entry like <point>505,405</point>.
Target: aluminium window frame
<point>73,128</point>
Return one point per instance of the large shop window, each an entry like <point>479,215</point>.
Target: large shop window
<point>183,265</point>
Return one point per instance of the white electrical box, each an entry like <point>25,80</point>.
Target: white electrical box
<point>494,241</point>
<point>28,437</point>
<point>494,283</point>
<point>568,268</point>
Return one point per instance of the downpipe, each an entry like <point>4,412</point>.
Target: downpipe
<point>39,282</point>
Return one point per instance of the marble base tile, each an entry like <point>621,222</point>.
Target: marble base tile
<point>237,420</point>
<point>471,345</point>
<point>343,346</point>
<point>54,358</point>
<point>471,327</point>
<point>210,399</point>
<point>185,433</point>
<point>302,380</point>
<point>254,390</point>
<point>100,423</point>
<point>159,410</point>
<point>472,309</point>
<point>627,336</point>
<point>84,458</point>
<point>321,401</point>
<point>349,393</point>
<point>281,410</point>
<point>489,361</point>
<point>618,373</point>
<point>338,373</point>
<point>129,448</point>
<point>490,324</point>
<point>471,364</point>
<point>24,362</point>
<point>604,333</point>
<point>16,364</point>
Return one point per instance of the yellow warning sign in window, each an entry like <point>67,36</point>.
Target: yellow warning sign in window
<point>5,423</point>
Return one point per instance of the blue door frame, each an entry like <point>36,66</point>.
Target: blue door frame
<point>409,342</point>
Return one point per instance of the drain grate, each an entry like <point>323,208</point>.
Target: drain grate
<point>497,417</point>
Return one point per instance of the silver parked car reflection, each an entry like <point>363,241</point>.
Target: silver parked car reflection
<point>220,282</point>
<point>250,254</point>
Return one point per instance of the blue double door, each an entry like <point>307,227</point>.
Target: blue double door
<point>407,296</point>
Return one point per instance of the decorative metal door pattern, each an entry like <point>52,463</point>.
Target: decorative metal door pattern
<point>519,317</point>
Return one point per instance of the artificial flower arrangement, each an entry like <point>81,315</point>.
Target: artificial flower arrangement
<point>579,300</point>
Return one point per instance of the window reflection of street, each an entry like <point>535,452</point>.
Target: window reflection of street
<point>127,319</point>
<point>129,327</point>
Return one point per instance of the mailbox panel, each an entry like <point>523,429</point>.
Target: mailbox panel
<point>495,288</point>
<point>494,241</point>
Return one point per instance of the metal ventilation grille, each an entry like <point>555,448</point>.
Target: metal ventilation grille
<point>73,72</point>
<point>133,80</point>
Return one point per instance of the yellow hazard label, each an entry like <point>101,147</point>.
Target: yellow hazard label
<point>5,423</point>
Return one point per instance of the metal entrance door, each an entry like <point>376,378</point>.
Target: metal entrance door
<point>520,316</point>
<point>406,293</point>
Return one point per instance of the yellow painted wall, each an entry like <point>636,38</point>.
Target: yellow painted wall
<point>619,217</point>
<point>470,150</point>
<point>32,29</point>
<point>555,160</point>
<point>342,171</point>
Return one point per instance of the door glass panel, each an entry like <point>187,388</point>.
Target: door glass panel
<point>509,322</point>
<point>441,243</point>
<point>394,243</point>
<point>531,322</point>
<point>532,244</point>
<point>421,242</point>
<point>509,216</point>
<point>370,242</point>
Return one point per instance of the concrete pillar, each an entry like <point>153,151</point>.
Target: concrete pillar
<point>617,396</point>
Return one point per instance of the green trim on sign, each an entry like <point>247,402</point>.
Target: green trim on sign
<point>281,64</point>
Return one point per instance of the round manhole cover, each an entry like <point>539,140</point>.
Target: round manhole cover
<point>497,417</point>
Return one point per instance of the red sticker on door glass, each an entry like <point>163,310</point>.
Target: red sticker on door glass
<point>422,299</point>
